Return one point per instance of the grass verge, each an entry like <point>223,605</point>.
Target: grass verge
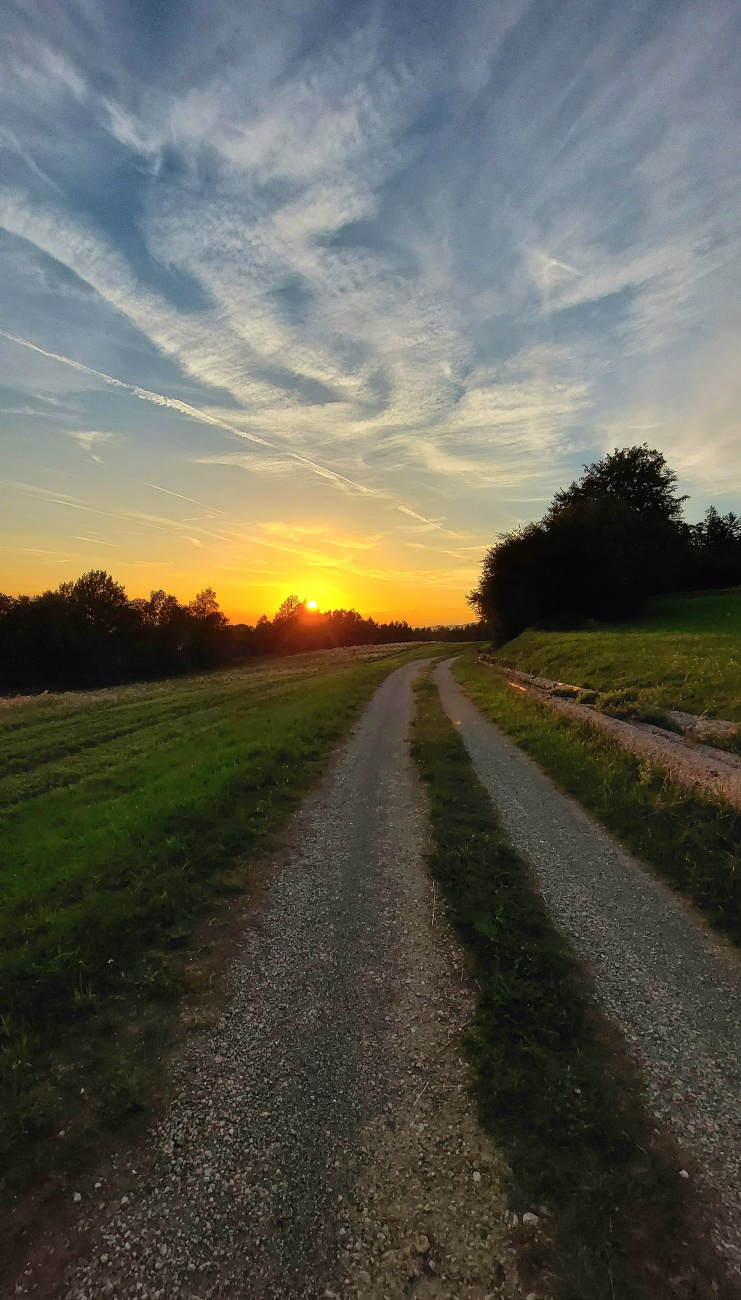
<point>551,1087</point>
<point>695,611</point>
<point>124,820</point>
<point>693,842</point>
<point>687,656</point>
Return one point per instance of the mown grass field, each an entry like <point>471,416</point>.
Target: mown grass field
<point>693,842</point>
<point>686,655</point>
<point>125,816</point>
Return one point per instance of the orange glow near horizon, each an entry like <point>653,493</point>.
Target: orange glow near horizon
<point>341,568</point>
<point>244,599</point>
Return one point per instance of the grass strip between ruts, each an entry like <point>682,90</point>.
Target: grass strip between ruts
<point>559,1099</point>
<point>692,841</point>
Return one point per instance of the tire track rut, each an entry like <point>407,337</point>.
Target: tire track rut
<point>673,988</point>
<point>321,1140</point>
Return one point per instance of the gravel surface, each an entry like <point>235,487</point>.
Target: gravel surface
<point>673,988</point>
<point>321,1141</point>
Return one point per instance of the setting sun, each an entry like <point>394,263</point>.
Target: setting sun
<point>311,604</point>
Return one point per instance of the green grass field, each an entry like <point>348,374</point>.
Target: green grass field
<point>124,816</point>
<point>702,611</point>
<point>686,655</point>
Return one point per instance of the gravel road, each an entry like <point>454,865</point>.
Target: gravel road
<point>321,1140</point>
<point>673,988</point>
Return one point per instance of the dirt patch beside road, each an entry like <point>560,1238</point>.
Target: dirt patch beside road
<point>714,771</point>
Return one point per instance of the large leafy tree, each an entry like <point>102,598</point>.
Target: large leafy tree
<point>205,606</point>
<point>290,608</point>
<point>609,540</point>
<point>98,597</point>
<point>637,476</point>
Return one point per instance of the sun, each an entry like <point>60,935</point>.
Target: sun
<point>311,604</point>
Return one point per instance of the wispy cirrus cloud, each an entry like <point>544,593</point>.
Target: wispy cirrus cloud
<point>88,440</point>
<point>430,259</point>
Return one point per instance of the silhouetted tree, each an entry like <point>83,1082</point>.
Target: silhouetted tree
<point>88,633</point>
<point>101,600</point>
<point>290,607</point>
<point>608,542</point>
<point>716,542</point>
<point>639,477</point>
<point>205,606</point>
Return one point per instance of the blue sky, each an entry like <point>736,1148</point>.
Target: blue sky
<point>322,296</point>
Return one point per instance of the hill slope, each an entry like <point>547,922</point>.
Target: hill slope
<point>685,655</point>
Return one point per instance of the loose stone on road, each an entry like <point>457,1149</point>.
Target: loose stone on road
<point>671,986</point>
<point>322,1141</point>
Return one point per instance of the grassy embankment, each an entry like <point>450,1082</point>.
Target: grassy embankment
<point>685,655</point>
<point>126,816</point>
<point>557,1097</point>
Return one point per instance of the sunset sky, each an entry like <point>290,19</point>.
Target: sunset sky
<point>319,297</point>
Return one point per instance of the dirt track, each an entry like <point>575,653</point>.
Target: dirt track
<point>321,1141</point>
<point>673,988</point>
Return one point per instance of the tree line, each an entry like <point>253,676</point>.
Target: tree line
<point>89,633</point>
<point>608,543</point>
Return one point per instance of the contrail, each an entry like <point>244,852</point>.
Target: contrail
<point>331,473</point>
<point>168,492</point>
<point>158,522</point>
<point>413,515</point>
<point>174,403</point>
<point>144,394</point>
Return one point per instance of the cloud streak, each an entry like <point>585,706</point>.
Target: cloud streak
<point>86,440</point>
<point>434,259</point>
